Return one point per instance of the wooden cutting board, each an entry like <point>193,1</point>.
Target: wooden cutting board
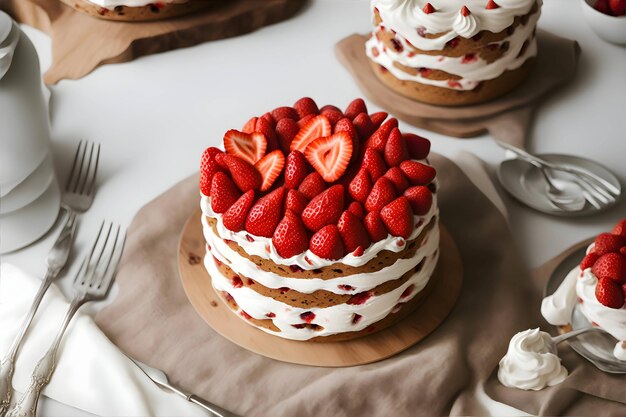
<point>448,280</point>
<point>81,43</point>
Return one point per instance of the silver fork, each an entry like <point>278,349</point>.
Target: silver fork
<point>81,183</point>
<point>77,198</point>
<point>92,283</point>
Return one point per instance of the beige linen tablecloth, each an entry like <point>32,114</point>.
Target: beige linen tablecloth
<point>152,320</point>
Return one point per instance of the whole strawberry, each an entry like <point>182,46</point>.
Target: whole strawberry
<point>326,243</point>
<point>290,237</point>
<point>609,293</point>
<point>265,214</point>
<point>323,209</point>
<point>611,266</point>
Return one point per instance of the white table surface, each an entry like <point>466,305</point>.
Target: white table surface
<point>154,117</point>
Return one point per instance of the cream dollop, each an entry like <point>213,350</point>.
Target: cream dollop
<point>466,26</point>
<point>557,308</point>
<point>531,362</point>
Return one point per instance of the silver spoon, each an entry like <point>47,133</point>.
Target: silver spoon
<point>566,198</point>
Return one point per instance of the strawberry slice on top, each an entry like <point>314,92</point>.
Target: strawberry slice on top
<point>248,146</point>
<point>270,167</point>
<point>317,127</point>
<point>330,155</point>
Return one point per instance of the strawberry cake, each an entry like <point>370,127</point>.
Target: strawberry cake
<point>320,224</point>
<point>453,52</point>
<point>137,10</point>
<point>598,284</point>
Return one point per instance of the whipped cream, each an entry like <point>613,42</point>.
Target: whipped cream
<point>531,362</point>
<point>264,248</point>
<point>407,18</point>
<point>472,72</point>
<point>620,351</point>
<point>335,319</point>
<point>557,308</point>
<point>110,4</point>
<point>347,284</point>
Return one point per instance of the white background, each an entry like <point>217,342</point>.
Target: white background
<point>154,116</point>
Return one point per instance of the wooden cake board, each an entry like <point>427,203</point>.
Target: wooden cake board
<point>448,278</point>
<point>507,118</point>
<point>81,43</point>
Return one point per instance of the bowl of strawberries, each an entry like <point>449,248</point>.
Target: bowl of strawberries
<point>607,18</point>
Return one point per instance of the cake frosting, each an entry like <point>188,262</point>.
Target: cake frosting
<point>320,224</point>
<point>531,362</point>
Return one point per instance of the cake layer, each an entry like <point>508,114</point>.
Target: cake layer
<point>137,10</point>
<point>308,264</point>
<point>463,67</point>
<point>306,323</point>
<point>335,279</point>
<point>431,31</point>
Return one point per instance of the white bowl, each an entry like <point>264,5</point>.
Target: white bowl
<point>609,28</point>
<point>24,226</point>
<point>28,190</point>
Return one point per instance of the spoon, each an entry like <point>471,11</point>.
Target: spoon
<point>575,333</point>
<point>567,197</point>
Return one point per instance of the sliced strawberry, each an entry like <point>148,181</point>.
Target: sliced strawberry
<point>265,214</point>
<point>250,125</point>
<point>312,185</point>
<point>589,260</point>
<point>243,173</point>
<point>270,167</point>
<point>360,186</point>
<point>607,242</point>
<point>378,118</point>
<point>364,125</point>
<point>224,193</point>
<point>317,127</point>
<point>323,209</point>
<point>360,298</point>
<point>609,293</point>
<point>418,147</point>
<point>395,149</point>
<point>267,129</point>
<point>420,199</point>
<point>296,201</point>
<point>290,237</point>
<point>620,229</point>
<point>375,226</point>
<point>356,208</point>
<point>235,217</point>
<point>250,147</point>
<point>306,106</point>
<point>373,162</point>
<point>356,107</point>
<point>307,316</point>
<point>330,155</point>
<point>333,116</point>
<point>285,112</point>
<point>383,192</point>
<point>208,168</point>
<point>286,130</point>
<point>398,179</point>
<point>296,169</point>
<point>418,173</point>
<point>345,125</point>
<point>611,266</point>
<point>326,243</point>
<point>306,119</point>
<point>398,217</point>
<point>352,232</point>
<point>379,137</point>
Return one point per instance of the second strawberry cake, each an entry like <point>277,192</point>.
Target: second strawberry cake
<point>320,224</point>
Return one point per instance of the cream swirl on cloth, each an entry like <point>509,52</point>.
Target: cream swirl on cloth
<point>531,362</point>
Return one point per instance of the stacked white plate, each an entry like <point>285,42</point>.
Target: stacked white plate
<point>29,193</point>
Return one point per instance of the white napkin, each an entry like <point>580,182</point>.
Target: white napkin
<point>94,376</point>
<point>91,373</point>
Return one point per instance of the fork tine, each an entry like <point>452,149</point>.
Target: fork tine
<point>91,252</point>
<point>93,264</point>
<point>73,170</point>
<point>113,259</point>
<point>85,175</point>
<point>81,163</point>
<point>92,183</point>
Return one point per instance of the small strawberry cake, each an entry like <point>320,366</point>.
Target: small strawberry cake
<point>598,284</point>
<point>320,224</point>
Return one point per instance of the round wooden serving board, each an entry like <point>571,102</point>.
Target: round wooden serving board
<point>427,317</point>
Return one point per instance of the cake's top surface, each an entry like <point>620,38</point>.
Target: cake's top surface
<point>309,186</point>
<point>429,25</point>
